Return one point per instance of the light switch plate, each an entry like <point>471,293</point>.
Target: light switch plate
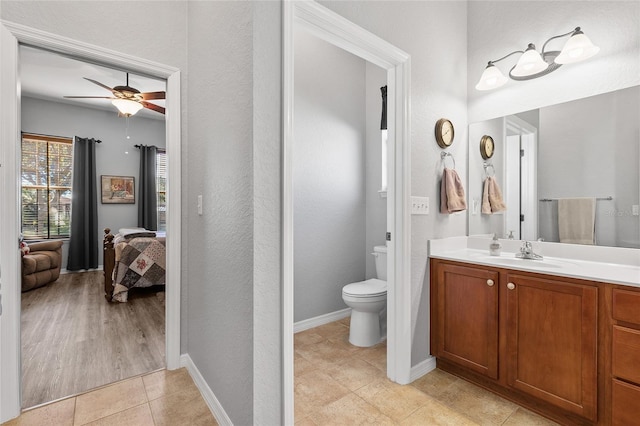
<point>635,210</point>
<point>200,205</point>
<point>419,205</point>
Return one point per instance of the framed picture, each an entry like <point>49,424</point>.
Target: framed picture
<point>118,189</point>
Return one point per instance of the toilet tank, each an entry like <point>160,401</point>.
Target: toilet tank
<point>380,253</point>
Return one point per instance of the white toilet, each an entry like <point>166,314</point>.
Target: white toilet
<point>367,299</point>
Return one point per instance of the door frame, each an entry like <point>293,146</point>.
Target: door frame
<point>528,174</point>
<point>11,35</point>
<point>336,30</point>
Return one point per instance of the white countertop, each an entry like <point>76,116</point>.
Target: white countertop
<point>627,272</point>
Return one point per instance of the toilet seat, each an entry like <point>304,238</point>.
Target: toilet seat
<point>366,289</point>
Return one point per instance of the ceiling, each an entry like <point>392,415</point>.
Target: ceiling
<point>50,76</point>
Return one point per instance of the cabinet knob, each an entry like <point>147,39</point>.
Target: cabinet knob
<point>511,286</point>
<point>490,283</point>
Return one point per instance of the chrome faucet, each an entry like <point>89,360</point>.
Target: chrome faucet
<point>526,252</point>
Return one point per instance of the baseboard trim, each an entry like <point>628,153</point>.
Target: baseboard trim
<point>321,320</point>
<point>212,402</point>
<point>423,368</point>
<point>64,271</point>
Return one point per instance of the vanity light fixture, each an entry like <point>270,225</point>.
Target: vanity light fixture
<point>532,64</point>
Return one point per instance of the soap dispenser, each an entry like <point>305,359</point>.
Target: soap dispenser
<point>495,246</point>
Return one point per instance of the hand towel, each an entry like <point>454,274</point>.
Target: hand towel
<point>577,220</point>
<point>452,197</point>
<point>492,201</point>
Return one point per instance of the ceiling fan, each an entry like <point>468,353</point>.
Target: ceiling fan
<point>127,99</point>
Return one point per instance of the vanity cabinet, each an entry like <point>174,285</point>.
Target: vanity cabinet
<point>520,334</point>
<point>467,324</point>
<point>551,334</point>
<point>625,359</point>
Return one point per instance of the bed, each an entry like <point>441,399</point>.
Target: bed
<point>134,257</point>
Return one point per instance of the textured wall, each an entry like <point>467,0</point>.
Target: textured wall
<point>496,28</point>
<point>220,167</point>
<point>434,34</point>
<point>267,248</point>
<point>116,155</point>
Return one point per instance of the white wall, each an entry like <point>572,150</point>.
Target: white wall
<point>116,155</point>
<point>328,174</point>
<point>496,28</point>
<point>434,34</point>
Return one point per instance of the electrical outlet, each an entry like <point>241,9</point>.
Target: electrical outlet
<point>635,210</point>
<point>419,205</point>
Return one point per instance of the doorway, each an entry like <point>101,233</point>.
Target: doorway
<point>521,183</point>
<point>336,30</point>
<point>65,320</point>
<point>11,36</point>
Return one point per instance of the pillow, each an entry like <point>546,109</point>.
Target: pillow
<point>24,248</point>
<point>136,232</point>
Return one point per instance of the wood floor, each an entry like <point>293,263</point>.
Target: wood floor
<point>73,340</point>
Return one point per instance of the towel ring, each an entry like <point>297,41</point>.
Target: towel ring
<point>486,169</point>
<point>444,155</point>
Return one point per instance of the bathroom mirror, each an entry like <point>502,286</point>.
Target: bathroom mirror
<point>584,148</point>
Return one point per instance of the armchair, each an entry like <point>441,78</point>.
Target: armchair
<point>42,264</point>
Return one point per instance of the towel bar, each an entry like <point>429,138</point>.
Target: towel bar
<point>443,155</point>
<point>609,198</point>
<point>486,167</point>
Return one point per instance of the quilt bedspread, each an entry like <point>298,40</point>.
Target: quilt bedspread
<point>142,263</point>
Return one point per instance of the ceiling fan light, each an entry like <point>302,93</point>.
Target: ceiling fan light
<point>491,78</point>
<point>529,63</point>
<point>127,107</point>
<point>576,49</point>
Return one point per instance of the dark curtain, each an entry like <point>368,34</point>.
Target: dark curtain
<point>83,240</point>
<point>148,205</point>
<point>383,121</point>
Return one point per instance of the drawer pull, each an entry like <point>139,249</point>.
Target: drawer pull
<point>490,283</point>
<point>511,286</point>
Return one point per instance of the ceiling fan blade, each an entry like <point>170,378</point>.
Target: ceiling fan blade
<point>99,84</point>
<point>153,107</point>
<point>148,96</point>
<point>89,97</point>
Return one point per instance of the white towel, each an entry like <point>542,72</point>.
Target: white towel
<point>577,220</point>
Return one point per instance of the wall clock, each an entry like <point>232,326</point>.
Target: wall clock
<point>486,147</point>
<point>444,132</point>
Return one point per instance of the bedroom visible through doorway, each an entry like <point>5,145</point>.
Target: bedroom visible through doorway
<point>72,339</point>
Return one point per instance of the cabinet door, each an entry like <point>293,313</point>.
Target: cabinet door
<point>467,317</point>
<point>551,342</point>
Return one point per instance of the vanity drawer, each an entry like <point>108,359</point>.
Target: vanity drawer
<point>626,353</point>
<point>625,409</point>
<point>626,306</point>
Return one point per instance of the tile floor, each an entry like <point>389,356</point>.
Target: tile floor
<point>335,384</point>
<point>340,384</point>
<point>159,398</point>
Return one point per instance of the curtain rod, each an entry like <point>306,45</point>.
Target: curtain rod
<point>609,198</point>
<point>158,148</point>
<point>97,140</point>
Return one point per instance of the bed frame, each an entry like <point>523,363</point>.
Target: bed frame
<point>109,262</point>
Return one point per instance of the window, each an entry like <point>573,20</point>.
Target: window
<point>161,187</point>
<point>46,186</point>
